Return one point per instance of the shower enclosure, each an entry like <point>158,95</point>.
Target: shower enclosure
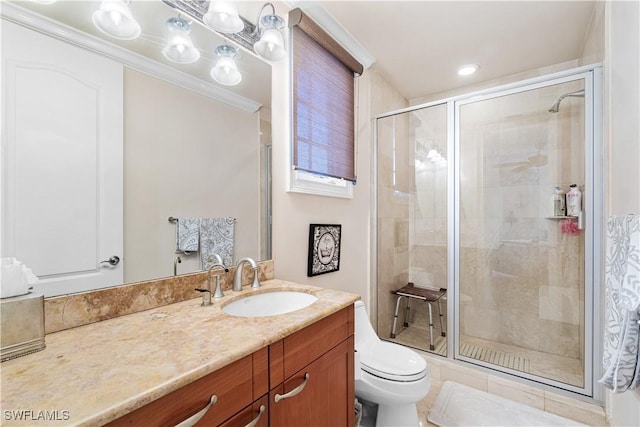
<point>466,219</point>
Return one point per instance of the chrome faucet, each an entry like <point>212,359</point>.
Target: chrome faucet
<point>215,258</point>
<point>237,278</point>
<point>217,293</point>
<point>176,261</point>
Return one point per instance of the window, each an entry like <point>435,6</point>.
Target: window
<point>323,147</point>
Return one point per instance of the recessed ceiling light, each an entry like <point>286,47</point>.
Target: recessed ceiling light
<point>466,70</point>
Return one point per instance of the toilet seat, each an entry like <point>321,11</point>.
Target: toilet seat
<point>393,362</point>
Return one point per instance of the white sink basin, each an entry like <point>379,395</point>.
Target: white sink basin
<point>269,304</point>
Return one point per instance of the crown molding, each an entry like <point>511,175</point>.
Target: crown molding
<point>46,26</point>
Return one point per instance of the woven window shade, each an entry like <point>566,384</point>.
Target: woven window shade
<point>323,108</point>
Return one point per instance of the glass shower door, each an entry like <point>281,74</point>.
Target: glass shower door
<point>521,261</point>
<point>412,254</point>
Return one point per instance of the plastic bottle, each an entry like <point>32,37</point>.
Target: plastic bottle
<point>559,207</point>
<point>574,201</point>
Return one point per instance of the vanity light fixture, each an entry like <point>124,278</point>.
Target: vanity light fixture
<point>264,38</point>
<point>271,44</point>
<point>467,70</point>
<point>115,19</point>
<point>179,45</point>
<point>226,71</point>
<point>222,16</point>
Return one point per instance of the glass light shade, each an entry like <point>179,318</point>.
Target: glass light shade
<point>180,49</point>
<point>179,45</point>
<point>115,19</point>
<point>271,45</point>
<point>226,72</point>
<point>223,16</point>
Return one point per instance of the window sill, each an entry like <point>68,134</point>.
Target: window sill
<point>308,183</point>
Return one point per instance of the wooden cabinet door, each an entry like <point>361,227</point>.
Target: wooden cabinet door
<point>327,397</point>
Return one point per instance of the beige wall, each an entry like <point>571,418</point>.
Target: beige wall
<point>622,138</point>
<point>185,155</point>
<point>293,212</point>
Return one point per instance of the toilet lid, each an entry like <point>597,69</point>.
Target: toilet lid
<point>393,362</point>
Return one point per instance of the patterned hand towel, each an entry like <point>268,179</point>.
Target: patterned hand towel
<point>621,351</point>
<point>216,237</point>
<point>187,235</point>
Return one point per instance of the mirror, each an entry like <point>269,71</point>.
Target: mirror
<point>186,153</point>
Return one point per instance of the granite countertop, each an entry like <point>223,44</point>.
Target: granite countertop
<point>93,374</point>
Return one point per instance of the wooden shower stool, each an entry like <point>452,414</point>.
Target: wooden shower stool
<point>424,294</point>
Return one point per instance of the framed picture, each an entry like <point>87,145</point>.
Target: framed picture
<point>324,249</point>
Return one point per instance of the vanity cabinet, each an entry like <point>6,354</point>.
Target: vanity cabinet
<point>304,379</point>
<point>311,375</point>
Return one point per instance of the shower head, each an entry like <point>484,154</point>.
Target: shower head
<point>556,106</point>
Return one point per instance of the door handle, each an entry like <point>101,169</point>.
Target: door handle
<point>113,261</point>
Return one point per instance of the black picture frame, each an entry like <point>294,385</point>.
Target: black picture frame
<point>324,249</point>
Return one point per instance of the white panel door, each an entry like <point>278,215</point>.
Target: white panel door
<point>61,161</point>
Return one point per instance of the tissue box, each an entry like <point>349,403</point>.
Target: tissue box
<point>22,325</point>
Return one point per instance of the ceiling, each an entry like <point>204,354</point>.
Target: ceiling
<point>419,45</point>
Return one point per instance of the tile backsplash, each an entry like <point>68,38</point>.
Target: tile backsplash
<point>69,311</point>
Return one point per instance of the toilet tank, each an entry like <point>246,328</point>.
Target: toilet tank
<point>364,333</point>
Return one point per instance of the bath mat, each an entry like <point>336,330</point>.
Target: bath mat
<point>459,405</point>
<point>499,358</point>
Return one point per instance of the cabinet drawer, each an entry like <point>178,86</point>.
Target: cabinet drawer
<point>289,355</point>
<point>257,412</point>
<point>232,385</point>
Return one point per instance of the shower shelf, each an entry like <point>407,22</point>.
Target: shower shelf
<point>577,219</point>
<point>562,217</point>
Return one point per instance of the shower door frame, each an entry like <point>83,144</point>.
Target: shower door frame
<point>594,214</point>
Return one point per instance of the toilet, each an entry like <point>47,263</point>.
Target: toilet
<point>387,374</point>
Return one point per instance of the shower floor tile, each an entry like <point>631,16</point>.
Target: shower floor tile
<point>558,368</point>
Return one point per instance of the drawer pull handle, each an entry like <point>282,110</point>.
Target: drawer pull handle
<point>296,391</point>
<point>256,419</point>
<point>196,417</point>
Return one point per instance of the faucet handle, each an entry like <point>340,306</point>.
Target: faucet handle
<point>206,296</point>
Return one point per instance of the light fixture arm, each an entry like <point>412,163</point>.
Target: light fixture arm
<point>276,21</point>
